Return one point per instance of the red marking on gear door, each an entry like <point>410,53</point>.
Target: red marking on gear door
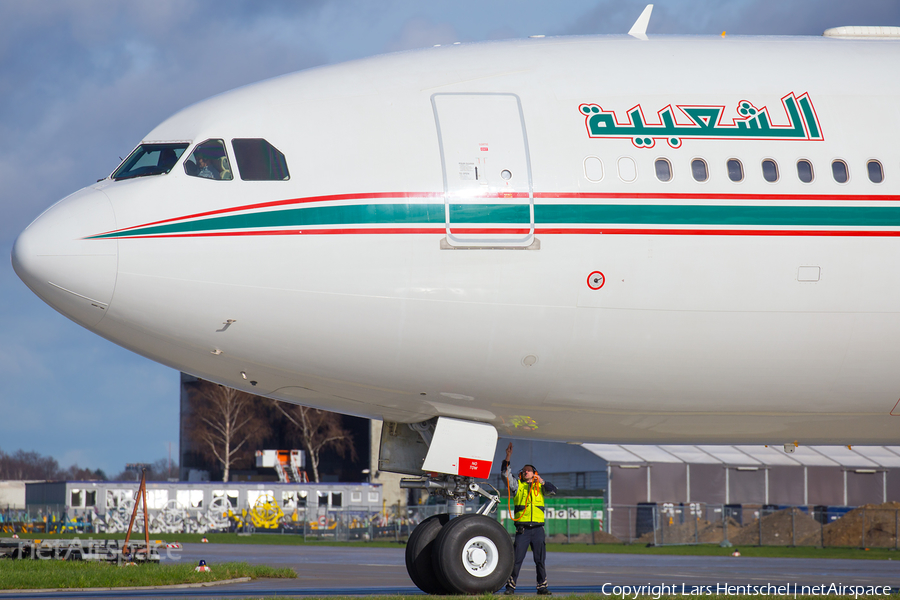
<point>479,469</point>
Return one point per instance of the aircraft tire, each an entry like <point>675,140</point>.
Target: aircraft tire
<point>473,554</point>
<point>419,549</point>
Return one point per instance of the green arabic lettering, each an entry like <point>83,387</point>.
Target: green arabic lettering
<point>809,117</point>
<point>751,122</point>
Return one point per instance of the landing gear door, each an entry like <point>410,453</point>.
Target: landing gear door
<point>488,193</point>
<point>463,448</point>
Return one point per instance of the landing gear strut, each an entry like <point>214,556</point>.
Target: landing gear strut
<point>458,553</point>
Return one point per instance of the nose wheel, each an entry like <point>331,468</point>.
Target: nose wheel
<point>470,554</point>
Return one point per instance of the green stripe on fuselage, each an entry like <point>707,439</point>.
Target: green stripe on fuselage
<point>490,213</point>
<point>661,214</point>
<point>544,214</point>
<point>360,214</point>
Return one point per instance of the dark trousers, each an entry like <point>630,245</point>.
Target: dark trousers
<point>534,537</point>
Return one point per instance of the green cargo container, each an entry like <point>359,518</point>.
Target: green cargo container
<point>564,515</point>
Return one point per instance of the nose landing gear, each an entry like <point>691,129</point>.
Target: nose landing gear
<point>466,554</point>
<point>452,553</point>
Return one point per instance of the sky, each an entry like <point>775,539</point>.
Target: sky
<point>81,82</point>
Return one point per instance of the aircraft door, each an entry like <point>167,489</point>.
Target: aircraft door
<point>488,195</point>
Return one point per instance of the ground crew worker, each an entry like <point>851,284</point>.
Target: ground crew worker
<point>529,490</point>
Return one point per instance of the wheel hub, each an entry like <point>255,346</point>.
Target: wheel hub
<point>480,556</point>
<point>477,557</point>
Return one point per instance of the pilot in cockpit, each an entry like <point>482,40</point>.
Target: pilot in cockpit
<point>209,160</point>
<point>167,160</point>
<point>207,166</point>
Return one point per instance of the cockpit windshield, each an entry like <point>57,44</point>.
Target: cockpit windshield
<point>150,159</point>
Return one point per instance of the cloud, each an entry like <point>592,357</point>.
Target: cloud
<point>80,391</point>
<point>99,75</point>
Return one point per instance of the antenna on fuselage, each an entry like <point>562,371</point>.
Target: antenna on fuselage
<point>639,29</point>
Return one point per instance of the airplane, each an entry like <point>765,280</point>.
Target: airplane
<point>621,239</point>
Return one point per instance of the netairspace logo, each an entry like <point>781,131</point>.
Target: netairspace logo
<point>723,589</point>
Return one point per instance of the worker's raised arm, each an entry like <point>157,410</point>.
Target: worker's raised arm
<point>506,471</point>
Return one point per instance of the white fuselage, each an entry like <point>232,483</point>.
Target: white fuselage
<point>730,312</point>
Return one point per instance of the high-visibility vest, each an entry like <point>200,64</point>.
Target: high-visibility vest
<point>529,503</point>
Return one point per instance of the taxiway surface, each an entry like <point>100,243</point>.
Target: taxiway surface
<point>330,571</point>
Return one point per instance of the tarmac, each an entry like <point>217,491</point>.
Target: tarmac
<point>360,571</point>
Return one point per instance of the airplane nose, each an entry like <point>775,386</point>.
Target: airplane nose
<point>74,275</point>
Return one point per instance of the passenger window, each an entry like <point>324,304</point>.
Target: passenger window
<point>627,169</point>
<point>770,170</point>
<point>735,170</point>
<point>699,170</point>
<point>663,169</point>
<point>876,175</point>
<point>209,160</point>
<point>258,160</point>
<point>805,171</point>
<point>839,171</point>
<point>593,169</point>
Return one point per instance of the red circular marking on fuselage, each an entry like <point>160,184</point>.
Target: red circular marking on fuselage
<point>593,284</point>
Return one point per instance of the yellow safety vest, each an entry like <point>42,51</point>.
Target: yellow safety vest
<point>529,503</point>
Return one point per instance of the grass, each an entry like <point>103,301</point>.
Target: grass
<point>38,574</point>
<point>592,596</point>
<point>271,539</point>
<point>275,539</point>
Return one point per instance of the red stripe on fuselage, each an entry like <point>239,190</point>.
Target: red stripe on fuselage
<point>538,195</point>
<point>541,231</point>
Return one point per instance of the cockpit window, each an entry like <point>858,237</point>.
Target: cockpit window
<point>150,159</point>
<point>258,160</point>
<point>209,160</point>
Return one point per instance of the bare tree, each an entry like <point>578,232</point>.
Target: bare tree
<point>318,430</point>
<point>76,473</point>
<point>23,465</point>
<point>225,422</point>
<point>160,470</point>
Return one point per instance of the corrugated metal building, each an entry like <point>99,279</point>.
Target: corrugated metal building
<point>632,474</point>
<point>811,475</point>
<point>642,483</point>
<point>570,467</point>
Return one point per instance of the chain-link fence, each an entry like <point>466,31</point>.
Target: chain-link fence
<point>756,525</point>
<point>340,524</point>
<point>568,520</point>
